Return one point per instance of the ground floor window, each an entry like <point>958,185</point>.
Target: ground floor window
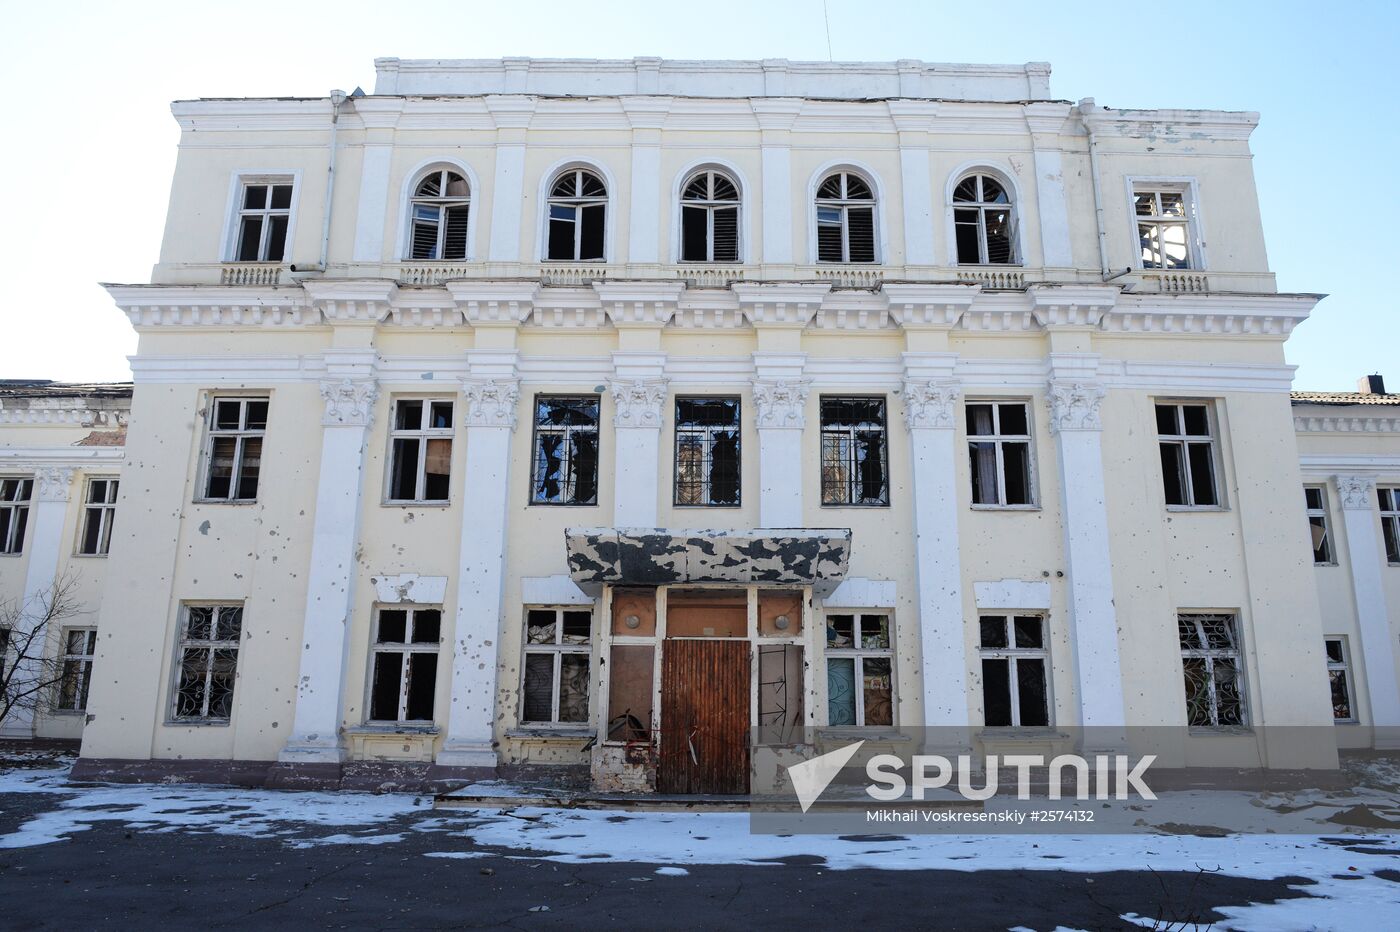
<point>403,681</point>
<point>1339,676</point>
<point>208,662</point>
<point>859,669</point>
<point>558,646</point>
<point>79,646</point>
<point>1015,671</point>
<point>1214,670</point>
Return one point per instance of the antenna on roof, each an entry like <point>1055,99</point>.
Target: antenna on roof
<point>826,18</point>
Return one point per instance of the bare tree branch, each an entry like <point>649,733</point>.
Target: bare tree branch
<point>29,673</point>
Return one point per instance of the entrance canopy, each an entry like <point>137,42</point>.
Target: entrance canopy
<point>816,557</point>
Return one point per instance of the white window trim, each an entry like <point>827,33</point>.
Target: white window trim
<point>741,182</point>
<point>237,180</point>
<point>206,449</point>
<point>173,697</point>
<point>403,649</point>
<point>1015,654</point>
<point>999,439</point>
<point>1217,451</point>
<point>405,216</point>
<point>1195,219</point>
<point>27,504</point>
<point>108,515</point>
<point>84,676</point>
<point>558,649</point>
<point>1325,513</point>
<point>611,217</point>
<point>870,177</point>
<point>1346,667</point>
<point>1391,516</point>
<point>1003,173</point>
<point>424,434</point>
<point>856,651</point>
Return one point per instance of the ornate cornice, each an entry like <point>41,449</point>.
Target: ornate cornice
<point>62,411</point>
<point>781,403</point>
<point>1344,424</point>
<point>51,483</point>
<point>491,402</point>
<point>1357,493</point>
<point>930,403</point>
<point>638,402</point>
<point>349,402</point>
<point>1074,405</point>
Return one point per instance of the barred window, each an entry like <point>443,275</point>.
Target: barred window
<point>98,513</point>
<point>1339,676</point>
<point>1390,522</point>
<point>707,451</point>
<point>710,218</point>
<point>1164,228</point>
<point>1187,445</point>
<point>578,207</point>
<point>558,642</point>
<point>14,513</point>
<point>984,222</point>
<point>263,217</point>
<point>1319,527</point>
<point>565,450</point>
<point>1015,671</point>
<point>845,219</point>
<point>403,681</point>
<point>441,203</point>
<point>854,456</point>
<point>420,450</point>
<point>1214,670</point>
<point>207,658</point>
<point>233,449</point>
<point>859,669</point>
<point>79,646</point>
<point>999,447</point>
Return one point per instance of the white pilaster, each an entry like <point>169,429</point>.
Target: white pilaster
<point>639,401</point>
<point>492,394</point>
<point>646,114</point>
<point>912,118</point>
<point>1377,648</point>
<point>775,118</point>
<point>780,414</point>
<point>1045,121</point>
<point>512,115</point>
<point>379,115</point>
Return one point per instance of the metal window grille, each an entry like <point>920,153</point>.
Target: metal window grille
<point>207,662</point>
<point>14,513</point>
<point>565,450</point>
<point>79,646</point>
<point>854,457</point>
<point>1015,671</point>
<point>707,451</point>
<point>1164,230</point>
<point>265,211</point>
<point>845,219</point>
<point>578,205</point>
<point>710,218</point>
<point>99,511</point>
<point>999,451</point>
<point>558,646</point>
<point>1319,528</point>
<point>420,450</point>
<point>441,206</point>
<point>233,449</point>
<point>860,669</point>
<point>984,222</point>
<point>403,672</point>
<point>1339,678</point>
<point>1187,444</point>
<point>1213,668</point>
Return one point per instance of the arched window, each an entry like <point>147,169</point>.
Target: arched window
<point>440,205</point>
<point>845,219</point>
<point>710,218</point>
<point>984,222</point>
<point>578,205</point>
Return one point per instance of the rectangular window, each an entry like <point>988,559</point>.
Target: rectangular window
<point>99,510</point>
<point>1186,440</point>
<point>1339,676</point>
<point>1315,499</point>
<point>420,450</point>
<point>707,451</point>
<point>859,669</point>
<point>79,646</point>
<point>14,513</point>
<point>233,449</point>
<point>854,457</point>
<point>1164,227</point>
<point>558,645</point>
<point>1213,666</point>
<point>207,659</point>
<point>999,448</point>
<point>565,451</point>
<point>265,210</point>
<point>403,677</point>
<point>1390,522</point>
<point>1015,671</point>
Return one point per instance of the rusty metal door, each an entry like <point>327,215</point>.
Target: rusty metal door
<point>704,717</point>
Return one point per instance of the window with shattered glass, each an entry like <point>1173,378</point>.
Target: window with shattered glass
<point>420,450</point>
<point>1339,678</point>
<point>710,218</point>
<point>1186,441</point>
<point>578,208</point>
<point>1015,671</point>
<point>404,665</point>
<point>1164,228</point>
<point>79,647</point>
<point>565,450</point>
<point>999,449</point>
<point>859,669</point>
<point>14,513</point>
<point>1319,524</point>
<point>1389,500</point>
<point>207,662</point>
<point>707,451</point>
<point>233,449</point>
<point>558,650</point>
<point>984,222</point>
<point>440,208</point>
<point>845,219</point>
<point>1213,668</point>
<point>854,458</point>
<point>99,511</point>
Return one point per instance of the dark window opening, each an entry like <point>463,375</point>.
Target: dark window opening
<point>707,451</point>
<point>854,458</point>
<point>565,451</point>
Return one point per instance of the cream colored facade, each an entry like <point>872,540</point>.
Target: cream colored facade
<point>346,324</point>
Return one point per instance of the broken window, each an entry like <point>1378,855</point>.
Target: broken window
<point>566,450</point>
<point>780,689</point>
<point>207,659</point>
<point>854,458</point>
<point>99,510</point>
<point>707,451</point>
<point>578,205</point>
<point>1339,677</point>
<point>984,222</point>
<point>440,208</point>
<point>1390,522</point>
<point>420,450</point>
<point>403,679</point>
<point>14,513</point>
<point>999,448</point>
<point>4,650</point>
<point>845,219</point>
<point>1319,528</point>
<point>1163,222</point>
<point>1015,671</point>
<point>1187,444</point>
<point>710,218</point>
<point>558,647</point>
<point>1213,667</point>
<point>630,693</point>
<point>859,669</point>
<point>79,646</point>
<point>233,449</point>
<point>263,216</point>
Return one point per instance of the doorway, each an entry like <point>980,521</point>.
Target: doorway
<point>704,717</point>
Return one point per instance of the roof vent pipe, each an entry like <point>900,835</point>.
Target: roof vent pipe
<point>337,100</point>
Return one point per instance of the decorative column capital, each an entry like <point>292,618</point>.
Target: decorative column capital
<point>930,403</point>
<point>491,402</point>
<point>781,403</point>
<point>638,402</point>
<point>52,482</point>
<point>1357,493</point>
<point>349,402</point>
<point>1074,405</point>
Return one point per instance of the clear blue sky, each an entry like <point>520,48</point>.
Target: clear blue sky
<point>90,143</point>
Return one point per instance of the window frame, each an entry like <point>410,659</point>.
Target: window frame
<point>84,669</point>
<point>1345,668</point>
<point>577,202</point>
<point>442,202</point>
<point>1390,522</point>
<point>17,526</point>
<point>234,211</point>
<point>1015,259</point>
<point>567,431</point>
<point>884,451</point>
<point>1013,655</point>
<point>860,655</point>
<point>557,650</point>
<point>1213,438</point>
<point>998,439</point>
<point>1323,513</point>
<point>708,442</point>
<point>241,434</point>
<point>1187,187</point>
<point>424,435</point>
<point>405,650</point>
<point>710,205</point>
<point>106,516</point>
<point>844,204</point>
<point>172,718</point>
<point>1210,655</point>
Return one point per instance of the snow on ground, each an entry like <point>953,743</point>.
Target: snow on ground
<point>1348,867</point>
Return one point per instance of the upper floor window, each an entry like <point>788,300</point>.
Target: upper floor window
<point>1187,443</point>
<point>984,222</point>
<point>233,449</point>
<point>263,218</point>
<point>565,450</point>
<point>845,219</point>
<point>854,458</point>
<point>98,512</point>
<point>420,450</point>
<point>1315,498</point>
<point>578,214</point>
<point>14,513</point>
<point>1389,500</point>
<point>440,206</point>
<point>999,448</point>
<point>710,219</point>
<point>1164,227</point>
<point>707,451</point>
